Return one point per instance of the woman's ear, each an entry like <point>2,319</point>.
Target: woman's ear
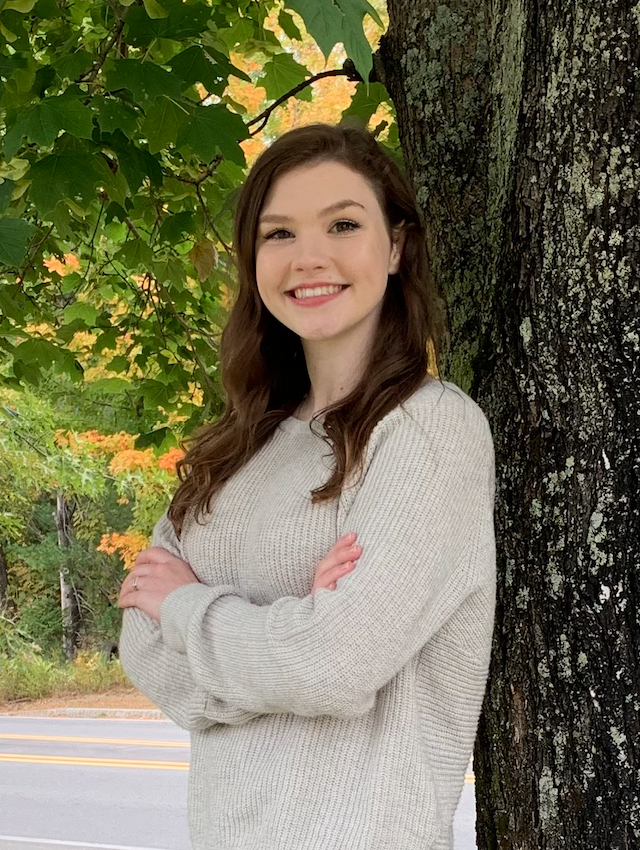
<point>397,244</point>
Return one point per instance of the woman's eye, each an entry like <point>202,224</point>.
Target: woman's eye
<point>351,225</point>
<point>274,234</point>
<point>345,226</point>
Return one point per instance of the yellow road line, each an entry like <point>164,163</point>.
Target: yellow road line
<point>95,762</point>
<point>130,741</point>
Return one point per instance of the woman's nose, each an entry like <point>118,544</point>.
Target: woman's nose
<point>310,253</point>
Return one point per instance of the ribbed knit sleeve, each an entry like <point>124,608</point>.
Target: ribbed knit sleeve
<point>163,674</point>
<point>424,516</point>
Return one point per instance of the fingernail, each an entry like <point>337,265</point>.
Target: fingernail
<point>351,535</point>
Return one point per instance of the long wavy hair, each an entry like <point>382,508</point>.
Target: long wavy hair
<point>262,364</point>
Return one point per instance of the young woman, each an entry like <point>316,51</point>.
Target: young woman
<point>332,699</point>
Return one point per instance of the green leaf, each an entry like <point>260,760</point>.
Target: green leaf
<point>323,20</point>
<point>174,226</point>
<point>163,122</point>
<point>227,67</point>
<point>151,438</point>
<point>135,254</point>
<point>11,301</point>
<point>58,177</point>
<point>14,238</point>
<point>6,190</point>
<point>144,79</point>
<point>42,122</point>
<point>194,65</point>
<point>364,104</point>
<point>281,74</point>
<point>289,26</point>
<point>71,65</point>
<point>115,115</point>
<point>38,350</point>
<point>212,129</point>
<point>154,9</point>
<point>47,10</point>
<point>80,310</point>
<point>170,271</point>
<point>353,38</point>
<point>155,394</point>
<point>185,20</point>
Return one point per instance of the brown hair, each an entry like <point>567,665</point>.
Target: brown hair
<point>262,363</point>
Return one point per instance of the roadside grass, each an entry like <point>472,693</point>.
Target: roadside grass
<point>29,676</point>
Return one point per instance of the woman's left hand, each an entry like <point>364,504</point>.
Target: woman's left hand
<point>155,574</point>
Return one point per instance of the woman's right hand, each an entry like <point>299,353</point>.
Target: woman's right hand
<point>339,561</point>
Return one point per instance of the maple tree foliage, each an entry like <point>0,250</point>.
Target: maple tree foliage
<point>128,129</point>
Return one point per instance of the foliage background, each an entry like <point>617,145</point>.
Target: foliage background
<point>127,129</point>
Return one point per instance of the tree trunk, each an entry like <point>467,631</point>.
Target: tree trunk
<point>68,598</point>
<point>519,125</point>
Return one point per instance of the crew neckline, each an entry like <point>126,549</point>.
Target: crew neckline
<point>294,425</point>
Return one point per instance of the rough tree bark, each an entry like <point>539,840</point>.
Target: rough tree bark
<point>519,122</point>
<point>68,598</point>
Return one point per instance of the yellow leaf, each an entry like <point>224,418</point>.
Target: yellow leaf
<point>15,169</point>
<point>23,6</point>
<point>204,257</point>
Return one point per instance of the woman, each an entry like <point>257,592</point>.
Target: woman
<point>329,707</point>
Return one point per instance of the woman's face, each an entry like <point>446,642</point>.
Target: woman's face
<point>322,225</point>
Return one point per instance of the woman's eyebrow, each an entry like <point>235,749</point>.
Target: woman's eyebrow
<point>339,205</point>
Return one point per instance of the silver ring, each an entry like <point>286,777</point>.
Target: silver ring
<point>135,583</point>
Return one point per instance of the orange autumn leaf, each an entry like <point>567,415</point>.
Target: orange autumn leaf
<point>169,459</point>
<point>127,545</point>
<point>130,459</point>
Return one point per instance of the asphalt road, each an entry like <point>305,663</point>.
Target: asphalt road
<point>107,784</point>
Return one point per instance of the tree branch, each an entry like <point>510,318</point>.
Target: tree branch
<point>264,116</point>
<point>90,75</point>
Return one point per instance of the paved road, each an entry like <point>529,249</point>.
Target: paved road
<point>76,783</point>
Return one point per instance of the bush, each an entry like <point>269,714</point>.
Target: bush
<point>29,675</point>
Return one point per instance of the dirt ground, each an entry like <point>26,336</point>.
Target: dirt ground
<point>124,698</point>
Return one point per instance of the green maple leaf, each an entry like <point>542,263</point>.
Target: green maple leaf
<point>114,115</point>
<point>212,129</point>
<point>14,238</point>
<point>66,176</point>
<point>163,122</point>
<point>194,65</point>
<point>281,74</point>
<point>42,122</point>
<point>145,80</point>
<point>323,20</point>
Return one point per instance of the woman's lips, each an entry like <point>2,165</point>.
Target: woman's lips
<point>317,300</point>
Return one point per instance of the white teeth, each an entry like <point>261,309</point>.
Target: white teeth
<point>318,290</point>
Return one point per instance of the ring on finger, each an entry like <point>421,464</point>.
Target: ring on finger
<point>135,583</point>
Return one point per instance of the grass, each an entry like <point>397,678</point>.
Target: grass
<point>30,676</point>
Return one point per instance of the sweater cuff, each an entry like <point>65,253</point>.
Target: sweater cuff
<point>182,605</point>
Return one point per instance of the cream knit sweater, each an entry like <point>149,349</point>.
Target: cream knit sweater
<point>342,720</point>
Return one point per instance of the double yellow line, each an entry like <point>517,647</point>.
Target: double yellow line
<point>137,764</point>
